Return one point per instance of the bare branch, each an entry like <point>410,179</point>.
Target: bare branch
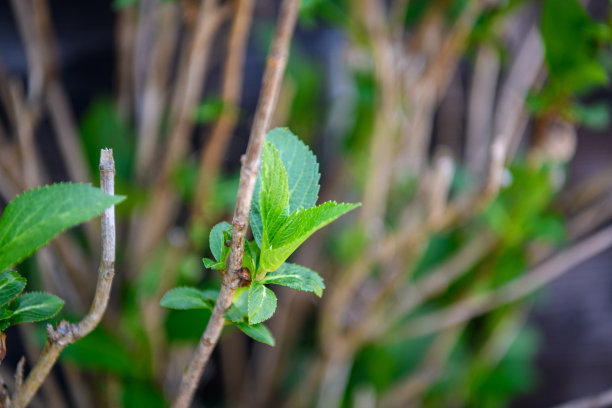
<point>67,333</point>
<point>275,69</point>
<point>211,156</point>
<point>533,280</point>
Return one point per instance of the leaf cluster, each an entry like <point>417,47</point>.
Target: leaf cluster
<point>283,216</point>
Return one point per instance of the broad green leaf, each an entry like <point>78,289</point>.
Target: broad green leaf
<point>296,277</point>
<point>301,166</point>
<point>185,298</point>
<point>5,314</point>
<point>257,332</point>
<point>36,216</point>
<point>237,314</point>
<point>274,194</point>
<point>262,303</point>
<point>11,284</point>
<point>34,307</point>
<point>302,175</point>
<point>299,226</point>
<point>216,239</point>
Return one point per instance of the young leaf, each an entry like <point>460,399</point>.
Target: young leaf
<point>262,303</point>
<point>237,314</point>
<point>301,165</point>
<point>189,298</point>
<point>274,194</point>
<point>36,216</point>
<point>11,285</point>
<point>34,307</point>
<point>296,277</point>
<point>302,174</point>
<point>257,332</point>
<point>299,226</point>
<point>216,239</point>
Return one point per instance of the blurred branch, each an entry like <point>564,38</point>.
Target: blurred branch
<point>273,76</point>
<point>191,80</point>
<point>214,150</point>
<point>67,333</point>
<point>533,280</point>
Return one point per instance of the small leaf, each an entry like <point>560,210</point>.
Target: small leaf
<point>36,216</point>
<point>299,226</point>
<point>185,298</point>
<point>210,264</point>
<point>257,332</point>
<point>11,285</point>
<point>216,239</point>
<point>262,303</point>
<point>34,307</point>
<point>296,277</point>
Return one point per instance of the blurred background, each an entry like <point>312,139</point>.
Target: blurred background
<point>475,133</point>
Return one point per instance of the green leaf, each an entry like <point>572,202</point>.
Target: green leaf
<point>237,314</point>
<point>217,238</point>
<point>257,332</point>
<point>34,307</point>
<point>11,285</point>
<point>185,298</point>
<point>571,41</point>
<point>302,176</point>
<point>36,216</point>
<point>274,194</point>
<point>301,166</point>
<point>296,277</point>
<point>210,264</point>
<point>262,303</point>
<point>298,227</point>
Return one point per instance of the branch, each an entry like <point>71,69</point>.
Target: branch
<point>275,69</point>
<point>539,276</point>
<point>67,333</point>
<point>216,145</point>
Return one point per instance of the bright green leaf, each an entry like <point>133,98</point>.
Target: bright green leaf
<point>36,216</point>
<point>262,303</point>
<point>274,194</point>
<point>34,307</point>
<point>185,298</point>
<point>302,175</point>
<point>298,227</point>
<point>210,264</point>
<point>296,277</point>
<point>257,332</point>
<point>216,239</point>
<point>11,285</point>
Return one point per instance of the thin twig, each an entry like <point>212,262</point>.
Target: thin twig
<point>275,69</point>
<point>67,333</point>
<point>211,156</point>
<point>533,280</point>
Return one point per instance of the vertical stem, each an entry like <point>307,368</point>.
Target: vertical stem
<point>275,69</point>
<point>67,333</point>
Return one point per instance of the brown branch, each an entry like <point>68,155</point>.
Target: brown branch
<point>211,156</point>
<point>192,77</point>
<point>533,280</point>
<point>275,69</point>
<point>67,333</point>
